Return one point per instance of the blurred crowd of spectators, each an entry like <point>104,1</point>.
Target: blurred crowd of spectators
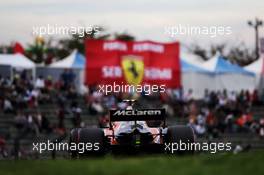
<point>216,114</point>
<point>225,112</point>
<point>21,97</point>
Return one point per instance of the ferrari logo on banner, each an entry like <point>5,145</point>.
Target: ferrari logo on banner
<point>133,68</point>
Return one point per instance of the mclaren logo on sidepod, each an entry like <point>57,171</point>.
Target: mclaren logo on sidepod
<point>133,68</point>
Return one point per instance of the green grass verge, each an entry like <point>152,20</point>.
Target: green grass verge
<point>208,164</point>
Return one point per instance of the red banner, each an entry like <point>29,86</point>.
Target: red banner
<point>143,62</point>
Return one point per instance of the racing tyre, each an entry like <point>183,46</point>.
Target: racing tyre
<point>89,141</point>
<point>179,137</point>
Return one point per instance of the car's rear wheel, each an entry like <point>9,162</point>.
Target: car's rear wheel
<point>179,137</point>
<point>89,142</point>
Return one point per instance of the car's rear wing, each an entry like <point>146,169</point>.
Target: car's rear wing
<point>137,115</point>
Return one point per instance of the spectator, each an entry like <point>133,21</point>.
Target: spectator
<point>76,111</point>
<point>3,149</point>
<point>20,121</point>
<point>40,84</point>
<point>32,124</point>
<point>255,97</point>
<point>244,121</point>
<point>188,96</point>
<point>49,83</point>
<point>1,80</point>
<point>68,78</point>
<point>8,107</point>
<point>261,130</point>
<point>45,124</point>
<point>61,116</point>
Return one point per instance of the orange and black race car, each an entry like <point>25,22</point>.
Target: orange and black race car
<point>132,131</point>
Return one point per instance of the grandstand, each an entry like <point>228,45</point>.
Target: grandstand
<point>49,109</point>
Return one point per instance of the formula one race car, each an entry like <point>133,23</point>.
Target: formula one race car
<point>131,131</point>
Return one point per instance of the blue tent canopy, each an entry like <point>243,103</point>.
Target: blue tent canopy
<point>79,61</point>
<point>224,66</point>
<point>75,60</point>
<point>188,67</point>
